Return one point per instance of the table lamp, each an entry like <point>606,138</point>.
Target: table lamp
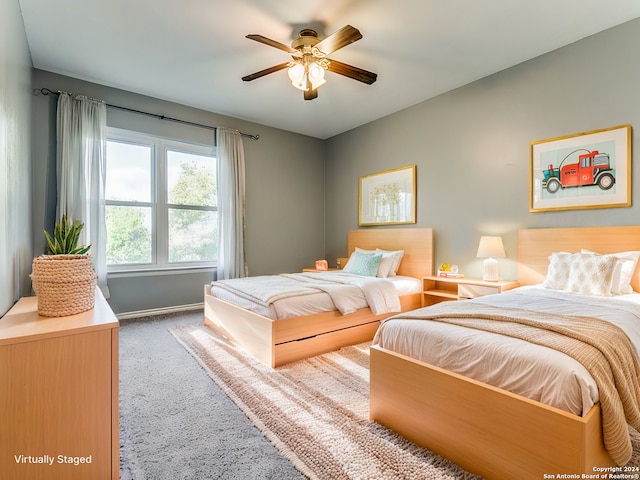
<point>491,248</point>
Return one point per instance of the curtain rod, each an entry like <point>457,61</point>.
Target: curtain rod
<point>46,91</point>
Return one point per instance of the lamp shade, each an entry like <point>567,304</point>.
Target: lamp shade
<point>297,76</point>
<point>316,72</point>
<point>491,247</point>
<point>306,75</point>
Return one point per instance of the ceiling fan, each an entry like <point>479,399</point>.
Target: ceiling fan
<point>306,70</point>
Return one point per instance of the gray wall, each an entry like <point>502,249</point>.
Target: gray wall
<point>471,147</point>
<point>284,181</point>
<point>15,166</point>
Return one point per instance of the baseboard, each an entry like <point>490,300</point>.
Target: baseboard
<point>160,311</point>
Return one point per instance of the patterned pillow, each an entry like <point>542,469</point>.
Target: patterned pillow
<point>352,259</point>
<point>558,271</point>
<point>385,262</point>
<point>365,264</point>
<point>592,274</point>
<point>624,271</point>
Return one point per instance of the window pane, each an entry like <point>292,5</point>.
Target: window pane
<point>193,235</point>
<point>191,179</point>
<point>128,234</point>
<point>128,172</point>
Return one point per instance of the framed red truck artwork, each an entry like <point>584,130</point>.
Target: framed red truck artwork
<point>585,170</point>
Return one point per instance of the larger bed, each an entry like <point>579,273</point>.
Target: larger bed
<point>517,428</point>
<point>278,341</point>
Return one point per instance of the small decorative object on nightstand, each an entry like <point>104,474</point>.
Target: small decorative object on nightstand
<point>319,269</point>
<point>450,271</point>
<point>322,265</point>
<point>491,248</point>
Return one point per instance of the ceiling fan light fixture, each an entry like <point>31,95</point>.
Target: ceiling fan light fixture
<point>317,83</point>
<point>309,53</point>
<point>306,77</point>
<point>297,76</point>
<point>316,72</point>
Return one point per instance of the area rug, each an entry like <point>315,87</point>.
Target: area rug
<point>316,411</point>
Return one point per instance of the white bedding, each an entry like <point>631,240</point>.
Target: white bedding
<point>313,292</point>
<point>534,371</point>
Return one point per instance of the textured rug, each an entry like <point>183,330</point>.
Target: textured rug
<point>316,411</point>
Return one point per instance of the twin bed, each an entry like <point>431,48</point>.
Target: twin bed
<point>497,426</point>
<point>493,431</point>
<point>276,341</point>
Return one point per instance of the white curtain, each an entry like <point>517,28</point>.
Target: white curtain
<point>231,194</point>
<point>81,171</point>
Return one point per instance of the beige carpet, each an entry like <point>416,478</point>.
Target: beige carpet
<point>316,412</point>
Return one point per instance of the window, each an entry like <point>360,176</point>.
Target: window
<point>161,203</point>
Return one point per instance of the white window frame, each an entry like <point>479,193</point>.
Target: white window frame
<point>159,206</point>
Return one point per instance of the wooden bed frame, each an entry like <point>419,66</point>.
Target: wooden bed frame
<point>276,342</point>
<point>484,429</point>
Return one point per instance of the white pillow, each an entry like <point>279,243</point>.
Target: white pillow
<point>397,258</point>
<point>558,271</point>
<point>626,267</point>
<point>350,263</point>
<point>592,274</point>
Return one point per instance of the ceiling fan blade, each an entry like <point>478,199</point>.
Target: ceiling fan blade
<point>266,71</point>
<point>352,72</point>
<point>272,43</point>
<point>343,37</point>
<point>310,94</point>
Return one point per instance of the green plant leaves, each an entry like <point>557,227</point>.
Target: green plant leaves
<point>65,238</point>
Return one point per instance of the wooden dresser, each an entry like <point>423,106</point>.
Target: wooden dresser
<point>59,415</point>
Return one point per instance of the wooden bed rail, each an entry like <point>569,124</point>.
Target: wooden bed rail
<point>485,430</point>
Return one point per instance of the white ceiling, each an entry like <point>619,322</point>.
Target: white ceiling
<point>194,52</point>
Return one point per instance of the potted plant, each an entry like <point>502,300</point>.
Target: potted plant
<point>64,278</point>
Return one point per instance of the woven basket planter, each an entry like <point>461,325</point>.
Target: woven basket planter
<point>64,284</point>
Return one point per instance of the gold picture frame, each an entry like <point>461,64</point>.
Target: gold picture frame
<point>388,198</point>
<point>581,171</point>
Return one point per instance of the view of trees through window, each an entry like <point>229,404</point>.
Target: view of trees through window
<point>191,238</point>
<point>161,203</point>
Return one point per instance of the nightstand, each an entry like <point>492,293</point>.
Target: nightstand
<point>437,289</point>
<point>316,270</point>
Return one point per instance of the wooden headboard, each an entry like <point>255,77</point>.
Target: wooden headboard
<point>536,244</point>
<point>417,244</point>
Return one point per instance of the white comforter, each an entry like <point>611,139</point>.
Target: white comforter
<point>534,371</point>
<point>348,292</point>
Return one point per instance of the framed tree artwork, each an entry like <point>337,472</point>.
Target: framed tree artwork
<point>388,198</point>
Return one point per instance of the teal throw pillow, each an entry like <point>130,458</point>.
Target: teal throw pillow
<point>366,264</point>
